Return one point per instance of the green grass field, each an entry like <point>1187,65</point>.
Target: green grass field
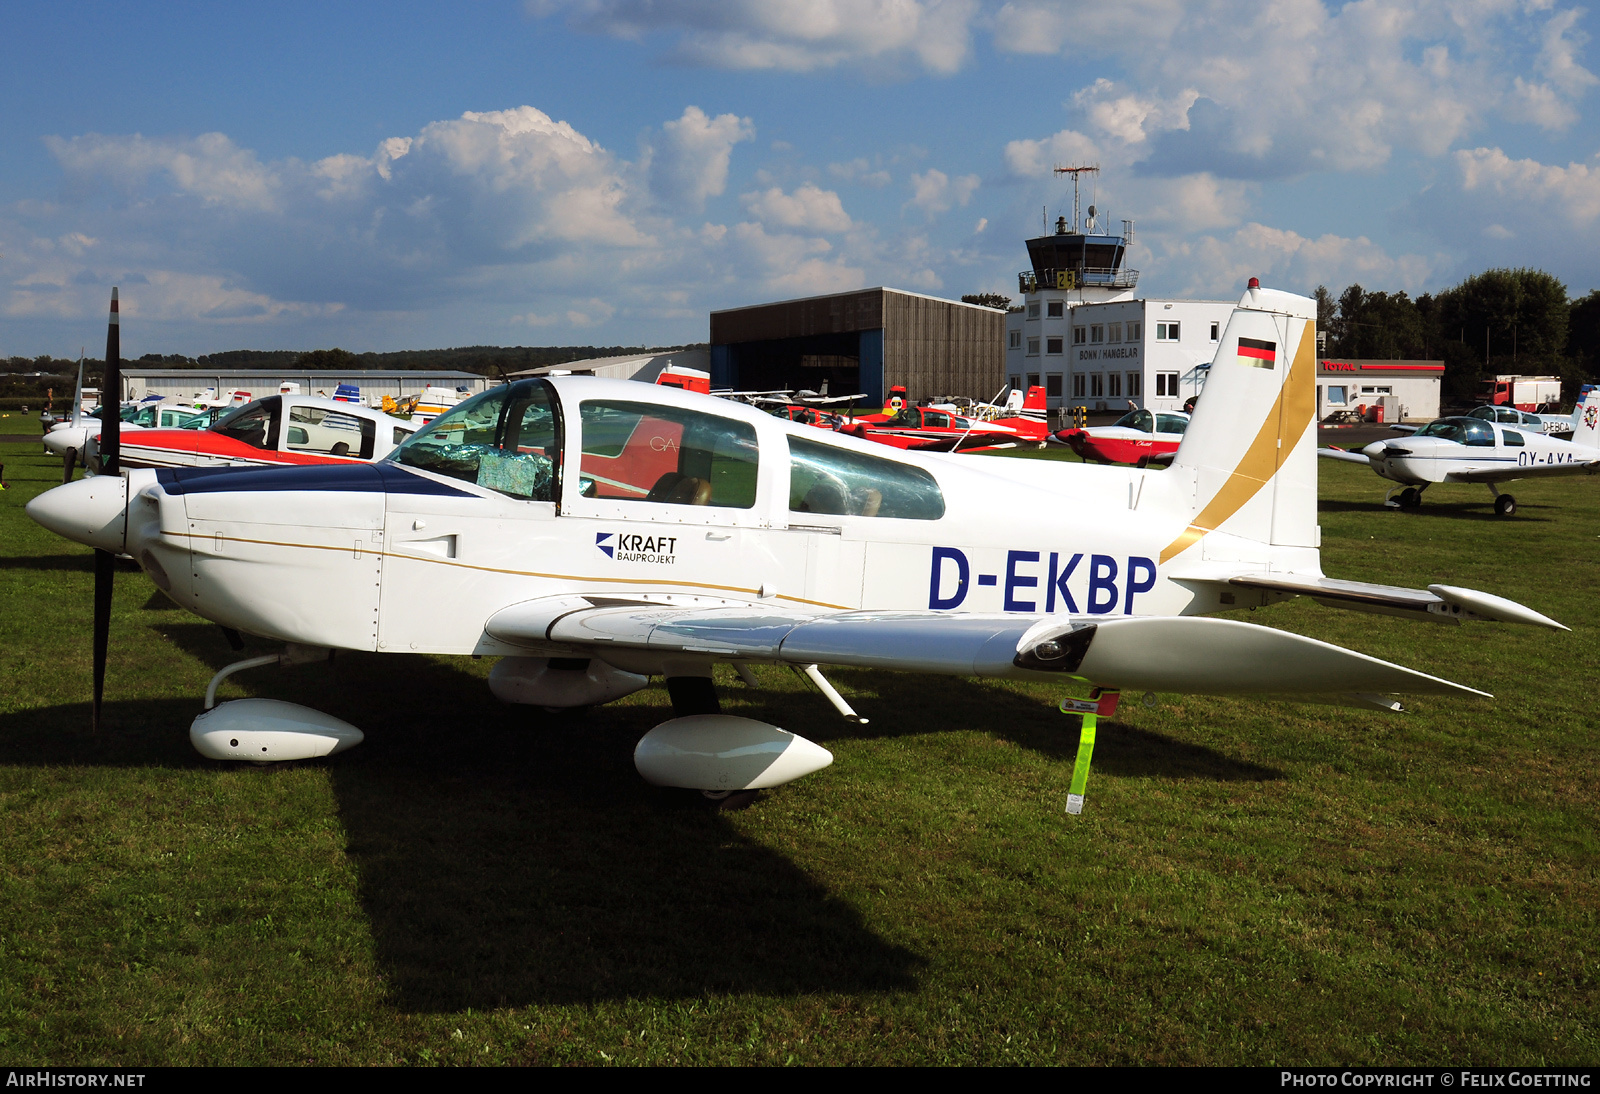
<point>1251,882</point>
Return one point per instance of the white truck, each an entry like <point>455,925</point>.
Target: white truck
<point>1530,393</point>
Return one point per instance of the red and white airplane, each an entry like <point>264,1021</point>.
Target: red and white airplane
<point>1139,437</point>
<point>941,428</point>
<point>280,429</point>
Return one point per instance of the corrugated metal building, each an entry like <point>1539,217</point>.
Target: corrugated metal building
<point>138,382</point>
<point>644,367</point>
<point>865,341</point>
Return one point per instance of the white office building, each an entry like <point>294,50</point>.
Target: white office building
<point>1106,356</point>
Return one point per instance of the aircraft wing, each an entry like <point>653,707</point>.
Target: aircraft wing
<point>1534,471</point>
<point>1341,454</point>
<point>1187,654</point>
<point>1439,603</point>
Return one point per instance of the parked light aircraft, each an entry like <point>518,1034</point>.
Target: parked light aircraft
<point>1471,449</point>
<point>277,430</point>
<point>1138,437</point>
<point>1525,421</point>
<point>594,533</point>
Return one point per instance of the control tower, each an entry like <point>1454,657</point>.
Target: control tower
<point>1079,263</point>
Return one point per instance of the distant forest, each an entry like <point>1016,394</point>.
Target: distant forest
<point>57,372</point>
<point>1499,321</point>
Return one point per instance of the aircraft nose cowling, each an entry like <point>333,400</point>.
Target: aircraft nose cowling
<point>1373,451</point>
<point>91,511</point>
<point>61,439</point>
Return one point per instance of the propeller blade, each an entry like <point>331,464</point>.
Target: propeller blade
<point>68,462</point>
<point>111,397</point>
<point>105,563</point>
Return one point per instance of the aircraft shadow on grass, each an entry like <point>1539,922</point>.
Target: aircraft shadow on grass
<point>81,562</point>
<point>509,856</point>
<point>1437,510</point>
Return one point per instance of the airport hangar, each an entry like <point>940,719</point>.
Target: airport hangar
<point>186,383</point>
<point>866,341</point>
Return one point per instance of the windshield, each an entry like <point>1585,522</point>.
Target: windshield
<point>1444,428</point>
<point>256,424</point>
<point>505,439</point>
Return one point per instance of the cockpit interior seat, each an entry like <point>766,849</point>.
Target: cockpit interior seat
<point>690,491</point>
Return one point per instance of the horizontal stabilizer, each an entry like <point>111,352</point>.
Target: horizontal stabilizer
<point>1189,654</point>
<point>1437,603</point>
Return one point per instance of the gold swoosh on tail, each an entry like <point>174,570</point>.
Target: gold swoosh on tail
<point>1294,407</point>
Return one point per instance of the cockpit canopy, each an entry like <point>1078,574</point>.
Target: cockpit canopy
<point>1468,431</point>
<point>1147,421</point>
<point>509,439</point>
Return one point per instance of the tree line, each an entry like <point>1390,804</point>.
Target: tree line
<point>18,379</point>
<point>1500,321</point>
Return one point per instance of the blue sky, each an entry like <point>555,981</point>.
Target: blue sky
<point>292,176</point>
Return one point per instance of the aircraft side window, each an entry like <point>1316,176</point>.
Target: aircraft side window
<point>647,452</point>
<point>255,424</point>
<point>933,419</point>
<point>1171,423</point>
<point>1513,439</point>
<point>315,429</point>
<point>1479,434</point>
<point>825,479</point>
<point>504,439</point>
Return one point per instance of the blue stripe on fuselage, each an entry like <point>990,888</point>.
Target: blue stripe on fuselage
<point>361,478</point>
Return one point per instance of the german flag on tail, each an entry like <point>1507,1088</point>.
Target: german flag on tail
<point>1256,353</point>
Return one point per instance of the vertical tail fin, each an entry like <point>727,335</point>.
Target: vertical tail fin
<point>1586,417</point>
<point>1251,443</point>
<point>1035,400</point>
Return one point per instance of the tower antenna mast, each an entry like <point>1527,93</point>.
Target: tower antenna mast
<point>1075,172</point>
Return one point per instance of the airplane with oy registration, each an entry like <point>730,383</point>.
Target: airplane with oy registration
<point>1480,450</point>
<point>593,534</point>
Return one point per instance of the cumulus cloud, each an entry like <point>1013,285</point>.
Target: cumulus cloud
<point>862,171</point>
<point>790,35</point>
<point>792,265</point>
<point>689,162</point>
<point>1568,195</point>
<point>934,192</point>
<point>210,167</point>
<point>504,220</point>
<point>1221,265</point>
<point>809,208</point>
<point>1292,86</point>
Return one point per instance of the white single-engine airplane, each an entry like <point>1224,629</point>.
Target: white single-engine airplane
<point>594,533</point>
<point>1473,449</point>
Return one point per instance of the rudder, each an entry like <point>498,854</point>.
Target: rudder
<point>1251,442</point>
